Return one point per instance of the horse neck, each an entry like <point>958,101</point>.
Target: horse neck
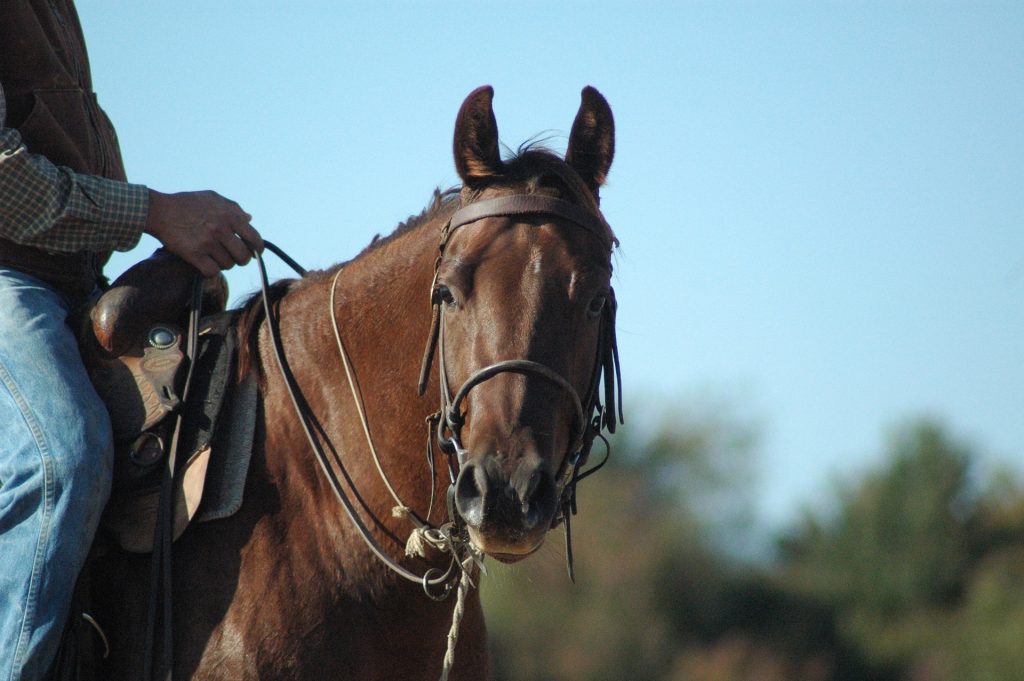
<point>383,317</point>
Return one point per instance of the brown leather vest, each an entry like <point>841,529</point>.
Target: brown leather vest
<point>44,70</point>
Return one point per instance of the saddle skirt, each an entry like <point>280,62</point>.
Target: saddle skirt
<point>132,347</point>
<point>215,446</point>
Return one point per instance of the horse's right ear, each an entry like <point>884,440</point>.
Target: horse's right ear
<point>476,139</point>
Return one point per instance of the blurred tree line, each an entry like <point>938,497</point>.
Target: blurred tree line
<point>915,574</point>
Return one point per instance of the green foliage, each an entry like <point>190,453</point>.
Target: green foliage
<point>646,574</point>
<point>917,573</point>
<point>900,537</point>
<point>902,557</point>
<point>990,637</point>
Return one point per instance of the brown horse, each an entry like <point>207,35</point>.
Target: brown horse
<point>291,587</point>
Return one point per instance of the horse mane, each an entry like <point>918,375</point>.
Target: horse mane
<point>532,169</point>
<point>443,204</point>
<point>253,313</point>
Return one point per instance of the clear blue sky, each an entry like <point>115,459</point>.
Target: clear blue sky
<point>821,205</point>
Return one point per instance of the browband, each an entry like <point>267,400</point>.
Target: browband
<point>532,204</point>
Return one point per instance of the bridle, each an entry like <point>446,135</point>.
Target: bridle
<point>590,415</point>
<point>446,424</point>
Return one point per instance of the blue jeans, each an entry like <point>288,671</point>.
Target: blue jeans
<point>56,456</point>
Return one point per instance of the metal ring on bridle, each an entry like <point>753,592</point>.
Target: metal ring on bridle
<point>437,577</point>
<point>453,415</point>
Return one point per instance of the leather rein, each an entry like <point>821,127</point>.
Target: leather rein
<point>445,425</point>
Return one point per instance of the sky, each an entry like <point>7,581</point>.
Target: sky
<point>821,204</point>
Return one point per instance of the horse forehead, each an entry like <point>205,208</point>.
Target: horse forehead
<point>540,243</point>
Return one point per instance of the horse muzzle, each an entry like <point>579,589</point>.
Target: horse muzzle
<point>507,514</point>
<point>507,503</point>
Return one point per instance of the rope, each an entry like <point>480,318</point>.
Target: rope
<point>400,508</point>
<point>321,457</point>
<point>465,584</point>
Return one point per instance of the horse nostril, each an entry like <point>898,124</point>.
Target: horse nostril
<point>484,496</point>
<point>537,498</point>
<point>531,487</point>
<point>470,491</point>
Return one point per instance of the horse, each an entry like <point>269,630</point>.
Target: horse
<point>314,577</point>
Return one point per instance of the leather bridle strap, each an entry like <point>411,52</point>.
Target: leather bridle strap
<point>433,578</point>
<point>531,204</point>
<point>507,206</point>
<point>453,411</point>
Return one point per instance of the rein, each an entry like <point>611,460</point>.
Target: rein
<point>591,417</point>
<point>159,609</point>
<point>443,538</point>
<point>449,537</point>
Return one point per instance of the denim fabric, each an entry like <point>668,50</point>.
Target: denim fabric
<point>56,455</point>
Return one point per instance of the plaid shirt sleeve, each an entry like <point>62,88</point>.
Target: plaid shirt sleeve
<point>56,209</point>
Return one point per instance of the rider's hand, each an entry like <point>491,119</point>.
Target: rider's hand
<point>203,228</point>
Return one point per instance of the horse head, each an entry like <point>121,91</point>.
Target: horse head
<point>525,324</point>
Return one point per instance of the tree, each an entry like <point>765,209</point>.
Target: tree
<point>912,560</point>
<point>916,575</point>
<point>900,537</point>
<point>650,572</point>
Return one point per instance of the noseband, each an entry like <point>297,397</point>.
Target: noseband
<point>590,415</point>
<point>453,418</point>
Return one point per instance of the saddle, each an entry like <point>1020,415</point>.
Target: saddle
<point>132,339</point>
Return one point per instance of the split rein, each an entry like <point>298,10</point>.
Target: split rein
<point>591,417</point>
<point>448,538</point>
<point>437,584</point>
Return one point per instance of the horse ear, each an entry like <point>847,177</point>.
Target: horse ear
<point>592,140</point>
<point>476,139</point>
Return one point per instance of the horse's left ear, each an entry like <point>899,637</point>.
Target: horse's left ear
<point>592,140</point>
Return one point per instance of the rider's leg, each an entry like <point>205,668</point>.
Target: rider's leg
<point>56,455</point>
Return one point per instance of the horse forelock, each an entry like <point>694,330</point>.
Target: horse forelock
<point>535,169</point>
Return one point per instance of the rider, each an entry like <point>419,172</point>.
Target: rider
<point>64,206</point>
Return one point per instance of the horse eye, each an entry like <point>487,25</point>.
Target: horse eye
<point>596,306</point>
<point>443,294</point>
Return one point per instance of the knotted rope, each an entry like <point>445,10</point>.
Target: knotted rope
<point>465,584</point>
